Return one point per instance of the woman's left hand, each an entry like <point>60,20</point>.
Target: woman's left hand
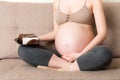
<point>71,57</point>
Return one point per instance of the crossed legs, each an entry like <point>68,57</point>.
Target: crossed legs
<point>39,55</point>
<point>98,58</point>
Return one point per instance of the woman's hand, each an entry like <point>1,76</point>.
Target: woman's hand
<point>71,57</point>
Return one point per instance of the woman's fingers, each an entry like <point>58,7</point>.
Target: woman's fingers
<point>68,58</point>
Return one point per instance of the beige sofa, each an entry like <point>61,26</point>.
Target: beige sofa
<point>37,18</point>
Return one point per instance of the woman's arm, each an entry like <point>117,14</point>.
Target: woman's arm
<point>51,35</point>
<point>101,26</point>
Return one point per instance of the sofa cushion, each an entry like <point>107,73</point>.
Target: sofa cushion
<point>16,69</point>
<point>112,13</point>
<point>8,30</point>
<point>34,18</point>
<point>37,18</point>
<point>16,18</point>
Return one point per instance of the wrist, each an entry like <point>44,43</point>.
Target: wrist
<point>78,55</point>
<point>40,38</point>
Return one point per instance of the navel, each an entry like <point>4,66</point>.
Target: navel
<point>66,45</point>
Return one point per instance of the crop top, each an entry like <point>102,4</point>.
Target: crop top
<point>82,16</point>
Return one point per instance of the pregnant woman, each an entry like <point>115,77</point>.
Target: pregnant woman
<point>77,48</point>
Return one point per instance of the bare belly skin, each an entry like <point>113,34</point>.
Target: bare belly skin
<point>73,37</point>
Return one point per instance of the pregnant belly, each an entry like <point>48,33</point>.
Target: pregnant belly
<point>72,38</point>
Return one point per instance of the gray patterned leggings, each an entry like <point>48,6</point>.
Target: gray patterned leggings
<point>97,58</point>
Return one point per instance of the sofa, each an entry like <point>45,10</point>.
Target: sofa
<point>37,18</point>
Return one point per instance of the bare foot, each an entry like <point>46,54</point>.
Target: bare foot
<point>74,66</point>
<point>42,67</point>
<point>70,67</point>
<point>65,68</point>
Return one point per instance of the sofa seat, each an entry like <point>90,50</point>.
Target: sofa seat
<point>37,18</point>
<point>17,69</point>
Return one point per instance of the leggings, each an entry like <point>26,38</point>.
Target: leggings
<point>96,59</point>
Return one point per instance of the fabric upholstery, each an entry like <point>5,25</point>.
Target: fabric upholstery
<point>16,69</point>
<point>16,18</point>
<point>112,13</point>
